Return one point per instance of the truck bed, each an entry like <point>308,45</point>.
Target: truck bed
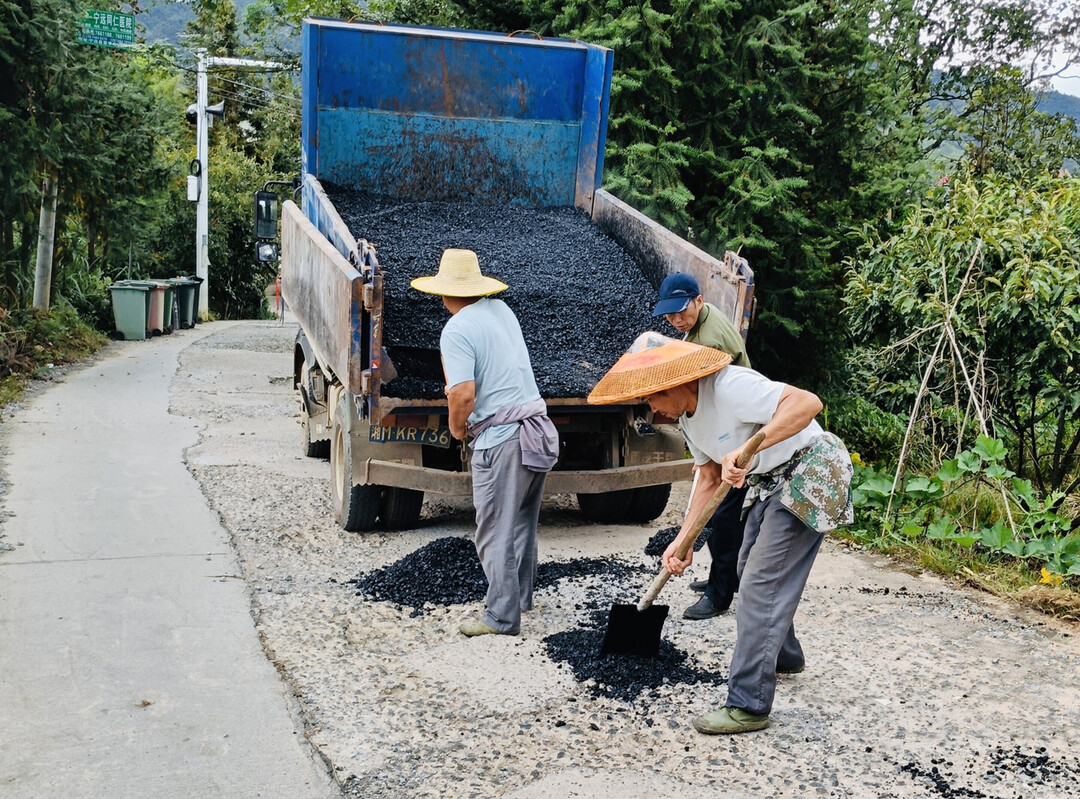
<point>580,298</point>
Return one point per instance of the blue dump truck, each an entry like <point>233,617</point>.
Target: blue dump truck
<point>508,123</point>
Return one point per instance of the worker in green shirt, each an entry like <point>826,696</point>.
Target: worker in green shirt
<point>702,323</point>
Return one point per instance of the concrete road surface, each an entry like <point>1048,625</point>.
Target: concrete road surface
<point>129,661</point>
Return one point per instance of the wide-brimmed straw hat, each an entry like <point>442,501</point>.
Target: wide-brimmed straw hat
<point>655,363</point>
<point>459,276</point>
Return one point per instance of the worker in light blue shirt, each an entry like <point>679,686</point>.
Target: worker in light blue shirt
<point>491,395</point>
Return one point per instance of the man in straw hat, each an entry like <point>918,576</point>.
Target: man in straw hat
<point>800,489</point>
<point>491,395</point>
<point>702,323</point>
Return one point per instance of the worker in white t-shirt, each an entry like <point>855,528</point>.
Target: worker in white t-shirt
<point>800,488</point>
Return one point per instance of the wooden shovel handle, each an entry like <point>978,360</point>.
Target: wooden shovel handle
<point>749,450</point>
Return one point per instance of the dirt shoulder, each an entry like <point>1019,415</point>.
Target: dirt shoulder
<point>913,687</point>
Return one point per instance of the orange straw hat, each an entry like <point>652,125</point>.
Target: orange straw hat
<point>459,276</point>
<point>655,363</point>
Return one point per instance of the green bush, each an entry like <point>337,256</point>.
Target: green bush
<point>970,312</point>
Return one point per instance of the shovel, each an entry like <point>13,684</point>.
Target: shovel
<point>635,629</point>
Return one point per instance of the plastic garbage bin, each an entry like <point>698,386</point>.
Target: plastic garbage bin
<point>198,287</point>
<point>185,289</point>
<point>167,305</point>
<point>131,307</point>
<point>155,318</point>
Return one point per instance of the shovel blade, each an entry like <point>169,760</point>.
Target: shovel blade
<point>634,632</point>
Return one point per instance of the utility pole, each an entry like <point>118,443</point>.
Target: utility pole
<point>202,215</point>
<point>204,114</point>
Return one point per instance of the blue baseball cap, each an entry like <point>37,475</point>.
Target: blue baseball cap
<point>675,294</point>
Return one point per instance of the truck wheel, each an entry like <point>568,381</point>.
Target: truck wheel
<point>606,508</point>
<point>647,503</point>
<point>319,448</point>
<point>355,507</point>
<point>629,506</point>
<point>401,508</point>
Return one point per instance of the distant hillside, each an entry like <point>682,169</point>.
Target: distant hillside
<point>164,21</point>
<point>1058,103</point>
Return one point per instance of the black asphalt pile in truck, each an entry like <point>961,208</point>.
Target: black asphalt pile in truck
<point>580,298</point>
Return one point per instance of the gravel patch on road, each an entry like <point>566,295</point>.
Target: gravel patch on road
<point>913,688</point>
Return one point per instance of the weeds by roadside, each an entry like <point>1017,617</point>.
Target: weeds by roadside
<point>976,521</point>
<point>32,341</point>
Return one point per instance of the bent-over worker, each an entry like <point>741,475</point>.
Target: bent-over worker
<point>800,488</point>
<point>492,396</point>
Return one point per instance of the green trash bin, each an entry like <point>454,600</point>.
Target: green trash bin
<point>198,287</point>
<point>185,290</point>
<point>131,307</point>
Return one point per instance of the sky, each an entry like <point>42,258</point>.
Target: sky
<point>1069,81</point>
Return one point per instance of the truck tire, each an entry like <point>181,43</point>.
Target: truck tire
<point>319,448</point>
<point>401,508</point>
<point>629,506</point>
<point>647,503</point>
<point>356,507</point>
<point>606,508</point>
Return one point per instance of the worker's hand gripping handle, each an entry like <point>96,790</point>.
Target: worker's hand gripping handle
<point>749,450</point>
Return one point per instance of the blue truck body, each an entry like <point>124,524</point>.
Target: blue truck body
<point>436,114</point>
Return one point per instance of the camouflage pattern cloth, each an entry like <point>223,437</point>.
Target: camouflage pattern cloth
<point>815,484</point>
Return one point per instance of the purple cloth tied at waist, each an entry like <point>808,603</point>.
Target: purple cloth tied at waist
<point>539,439</point>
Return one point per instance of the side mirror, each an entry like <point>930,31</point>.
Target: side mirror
<point>267,252</point>
<point>267,204</point>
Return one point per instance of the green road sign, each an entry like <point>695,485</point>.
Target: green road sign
<point>107,29</point>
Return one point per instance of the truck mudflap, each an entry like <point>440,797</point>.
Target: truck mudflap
<point>596,481</point>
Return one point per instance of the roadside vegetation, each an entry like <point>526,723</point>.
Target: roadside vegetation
<point>32,344</point>
<point>912,218</point>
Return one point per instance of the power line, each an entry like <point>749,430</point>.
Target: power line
<point>268,92</point>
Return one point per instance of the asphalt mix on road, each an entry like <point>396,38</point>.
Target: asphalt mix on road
<point>913,687</point>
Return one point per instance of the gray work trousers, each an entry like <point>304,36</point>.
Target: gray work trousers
<point>507,497</point>
<point>774,563</point>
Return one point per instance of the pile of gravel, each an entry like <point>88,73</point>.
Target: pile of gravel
<point>443,572</point>
<point>447,571</point>
<point>659,542</point>
<point>624,676</point>
<point>580,298</point>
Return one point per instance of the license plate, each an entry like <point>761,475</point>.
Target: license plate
<point>433,437</point>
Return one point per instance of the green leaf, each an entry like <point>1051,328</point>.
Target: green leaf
<point>923,488</point>
<point>1025,489</point>
<point>877,485</point>
<point>941,529</point>
<point>949,471</point>
<point>997,537</point>
<point>1037,547</point>
<point>969,462</point>
<point>1014,548</point>
<point>990,449</point>
<point>911,530</point>
<point>965,539</point>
